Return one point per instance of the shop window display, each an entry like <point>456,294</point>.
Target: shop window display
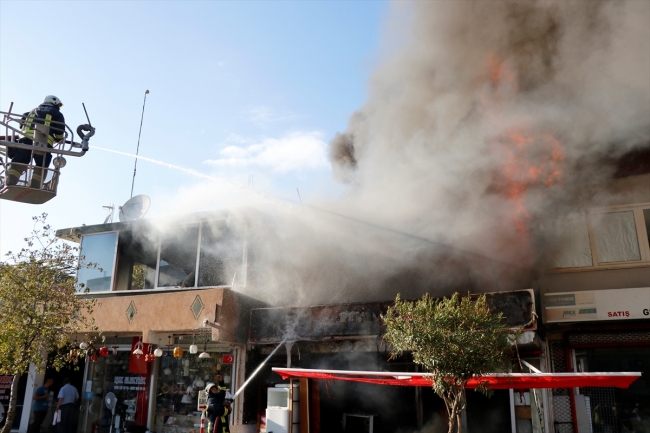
<point>614,410</point>
<point>112,374</point>
<point>178,385</point>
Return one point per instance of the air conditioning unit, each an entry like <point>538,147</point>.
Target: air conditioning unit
<point>358,423</point>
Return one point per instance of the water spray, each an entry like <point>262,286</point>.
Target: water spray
<point>257,370</point>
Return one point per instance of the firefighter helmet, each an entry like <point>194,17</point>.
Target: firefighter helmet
<point>51,99</point>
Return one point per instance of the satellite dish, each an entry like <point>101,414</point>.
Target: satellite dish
<point>135,208</point>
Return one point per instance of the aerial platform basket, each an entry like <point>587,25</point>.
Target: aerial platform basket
<point>36,184</point>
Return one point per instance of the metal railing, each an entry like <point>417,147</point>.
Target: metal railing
<point>13,122</point>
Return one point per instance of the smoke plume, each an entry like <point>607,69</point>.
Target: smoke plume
<point>495,120</point>
<point>488,126</point>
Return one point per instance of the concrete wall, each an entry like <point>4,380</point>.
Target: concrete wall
<point>165,311</point>
<point>623,191</point>
<point>621,278</point>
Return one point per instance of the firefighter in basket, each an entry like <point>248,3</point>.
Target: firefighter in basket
<point>49,114</point>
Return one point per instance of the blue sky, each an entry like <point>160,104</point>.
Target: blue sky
<point>237,89</point>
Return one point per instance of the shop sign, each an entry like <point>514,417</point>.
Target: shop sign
<point>130,383</point>
<point>5,388</point>
<point>617,304</point>
<point>203,401</point>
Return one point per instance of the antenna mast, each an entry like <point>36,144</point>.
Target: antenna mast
<point>135,166</point>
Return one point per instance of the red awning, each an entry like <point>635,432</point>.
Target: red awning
<point>494,381</point>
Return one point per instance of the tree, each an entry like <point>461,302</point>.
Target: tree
<point>41,311</point>
<point>454,339</point>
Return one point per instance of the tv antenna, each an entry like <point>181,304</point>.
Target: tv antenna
<point>137,150</point>
<point>109,217</point>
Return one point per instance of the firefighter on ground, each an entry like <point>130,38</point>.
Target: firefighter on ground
<point>218,409</point>
<point>45,114</point>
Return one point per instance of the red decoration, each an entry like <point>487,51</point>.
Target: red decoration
<point>227,358</point>
<point>103,351</point>
<point>93,357</point>
<point>149,357</point>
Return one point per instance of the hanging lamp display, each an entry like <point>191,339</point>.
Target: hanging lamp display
<point>103,351</point>
<point>158,352</point>
<point>193,348</point>
<point>204,354</point>
<point>138,348</point>
<point>167,356</point>
<point>149,357</point>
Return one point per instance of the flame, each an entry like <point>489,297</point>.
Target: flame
<point>499,73</point>
<point>530,160</point>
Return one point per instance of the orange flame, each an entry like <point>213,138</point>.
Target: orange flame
<point>499,73</point>
<point>530,160</point>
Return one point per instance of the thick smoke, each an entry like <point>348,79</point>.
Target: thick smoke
<point>494,119</point>
<point>488,126</point>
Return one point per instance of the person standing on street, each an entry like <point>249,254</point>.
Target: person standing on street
<point>68,396</point>
<point>41,405</point>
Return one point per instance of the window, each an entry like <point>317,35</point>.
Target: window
<point>221,255</point>
<point>616,236</point>
<point>198,255</point>
<point>646,217</point>
<point>574,250</point>
<point>178,253</point>
<point>98,251</point>
<point>137,254</point>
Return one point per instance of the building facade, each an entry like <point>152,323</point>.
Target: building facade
<point>596,309</point>
<point>176,284</point>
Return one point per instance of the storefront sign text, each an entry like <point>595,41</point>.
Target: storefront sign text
<point>618,304</point>
<point>5,387</point>
<point>130,383</point>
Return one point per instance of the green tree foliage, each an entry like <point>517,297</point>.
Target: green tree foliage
<point>454,339</point>
<point>138,277</point>
<point>41,313</point>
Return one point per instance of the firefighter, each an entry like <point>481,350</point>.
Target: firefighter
<point>44,114</point>
<point>224,425</point>
<point>218,408</point>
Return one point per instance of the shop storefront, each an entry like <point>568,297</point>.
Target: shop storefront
<point>125,375</point>
<point>155,393</point>
<point>605,331</point>
<point>180,376</point>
